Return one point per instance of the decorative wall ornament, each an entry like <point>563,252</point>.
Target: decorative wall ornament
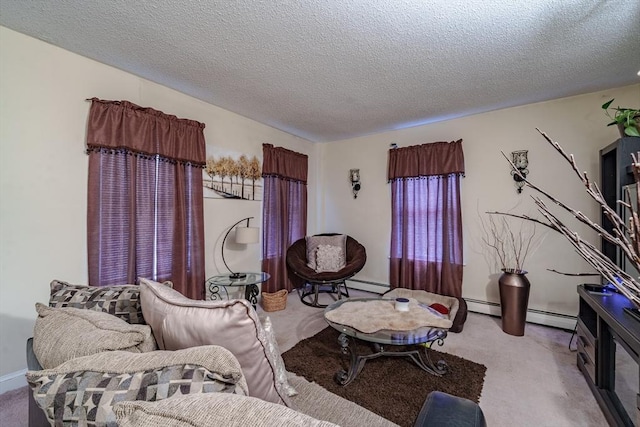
<point>231,175</point>
<point>354,177</point>
<point>521,162</point>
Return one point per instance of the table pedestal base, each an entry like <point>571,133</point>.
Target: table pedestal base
<point>418,354</point>
<point>251,293</point>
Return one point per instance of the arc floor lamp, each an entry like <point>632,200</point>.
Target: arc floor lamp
<point>244,235</point>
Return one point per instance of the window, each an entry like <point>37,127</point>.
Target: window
<point>284,217</point>
<point>145,197</point>
<point>426,231</point>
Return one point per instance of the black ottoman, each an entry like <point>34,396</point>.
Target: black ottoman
<point>444,410</point>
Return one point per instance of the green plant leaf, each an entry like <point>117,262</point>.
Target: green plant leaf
<point>606,104</point>
<point>631,131</point>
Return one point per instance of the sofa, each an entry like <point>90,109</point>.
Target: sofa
<point>146,355</point>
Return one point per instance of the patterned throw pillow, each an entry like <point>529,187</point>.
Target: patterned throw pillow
<point>122,301</point>
<point>312,243</point>
<point>329,258</point>
<point>83,391</point>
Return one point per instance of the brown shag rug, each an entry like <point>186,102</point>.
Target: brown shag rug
<point>392,387</point>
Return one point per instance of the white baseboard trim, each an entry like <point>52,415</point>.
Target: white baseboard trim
<point>12,381</point>
<point>367,286</point>
<point>545,318</point>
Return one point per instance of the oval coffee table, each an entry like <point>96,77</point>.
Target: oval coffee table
<point>418,340</point>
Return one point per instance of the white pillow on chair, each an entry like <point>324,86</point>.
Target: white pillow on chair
<point>312,243</point>
<point>329,258</point>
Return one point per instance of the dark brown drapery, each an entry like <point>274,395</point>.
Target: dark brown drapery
<point>125,125</point>
<point>426,231</point>
<point>284,163</point>
<point>437,158</point>
<point>145,209</point>
<point>284,218</point>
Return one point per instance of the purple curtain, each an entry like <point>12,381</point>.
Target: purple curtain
<point>145,208</point>
<point>284,217</point>
<point>426,230</point>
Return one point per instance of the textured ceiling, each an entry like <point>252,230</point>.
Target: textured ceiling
<point>333,69</point>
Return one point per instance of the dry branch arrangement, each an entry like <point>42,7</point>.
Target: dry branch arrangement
<point>511,245</point>
<point>625,235</point>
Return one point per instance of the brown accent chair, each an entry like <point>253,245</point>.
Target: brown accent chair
<point>310,283</point>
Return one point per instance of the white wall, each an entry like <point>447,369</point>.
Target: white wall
<point>578,123</point>
<point>43,175</point>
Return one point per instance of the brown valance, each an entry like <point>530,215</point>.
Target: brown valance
<point>122,126</point>
<point>283,163</point>
<point>438,158</point>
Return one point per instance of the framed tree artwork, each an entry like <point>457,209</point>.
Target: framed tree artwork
<point>231,175</point>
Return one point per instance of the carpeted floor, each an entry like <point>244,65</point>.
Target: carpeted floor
<point>393,387</point>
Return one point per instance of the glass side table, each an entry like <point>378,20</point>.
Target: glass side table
<point>250,283</point>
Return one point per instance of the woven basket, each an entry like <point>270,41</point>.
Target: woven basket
<point>274,301</point>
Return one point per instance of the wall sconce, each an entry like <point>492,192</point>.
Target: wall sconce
<point>520,161</point>
<point>354,177</point>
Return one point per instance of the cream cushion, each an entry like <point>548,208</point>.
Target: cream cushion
<point>62,334</point>
<point>214,409</point>
<point>179,322</point>
<point>312,243</point>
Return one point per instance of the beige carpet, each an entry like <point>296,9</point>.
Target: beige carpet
<point>530,381</point>
<point>383,379</point>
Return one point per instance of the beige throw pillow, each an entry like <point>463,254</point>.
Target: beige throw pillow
<point>274,350</point>
<point>312,243</point>
<point>62,334</point>
<point>214,409</point>
<point>179,322</point>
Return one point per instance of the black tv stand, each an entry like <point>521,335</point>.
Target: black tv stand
<point>604,327</point>
<point>633,312</point>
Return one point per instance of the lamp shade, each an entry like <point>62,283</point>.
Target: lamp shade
<point>247,235</point>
